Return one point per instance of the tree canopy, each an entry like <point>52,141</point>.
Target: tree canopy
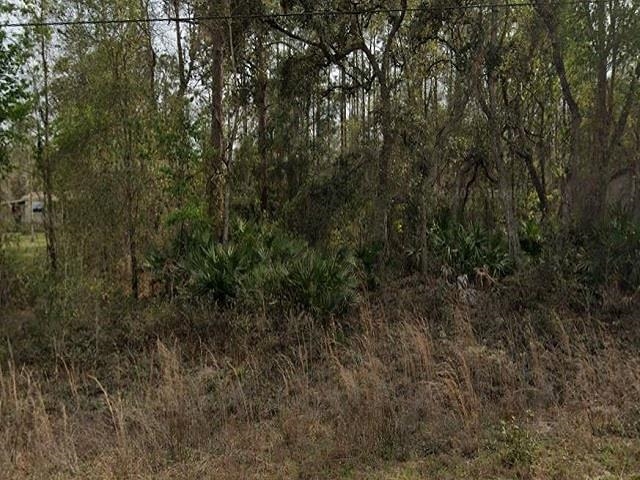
<point>360,125</point>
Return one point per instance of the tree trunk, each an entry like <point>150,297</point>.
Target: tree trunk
<point>506,196</point>
<point>573,200</point>
<point>151,57</point>
<point>181,67</point>
<point>261,107</point>
<point>383,197</point>
<point>226,215</point>
<point>424,226</point>
<point>596,176</point>
<point>46,164</point>
<point>132,193</point>
<point>215,162</point>
<point>490,107</point>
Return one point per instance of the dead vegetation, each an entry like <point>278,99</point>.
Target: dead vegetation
<point>416,394</point>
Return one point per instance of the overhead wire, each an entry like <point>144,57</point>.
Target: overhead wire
<point>276,15</point>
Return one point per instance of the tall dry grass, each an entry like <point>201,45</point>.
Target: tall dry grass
<point>318,405</point>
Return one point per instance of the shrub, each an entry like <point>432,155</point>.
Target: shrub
<point>465,248</point>
<point>261,265</point>
<point>23,277</point>
<point>519,446</point>
<point>7,279</point>
<point>368,257</point>
<point>605,256</point>
<point>322,283</point>
<point>216,271</point>
<point>614,254</point>
<point>531,237</point>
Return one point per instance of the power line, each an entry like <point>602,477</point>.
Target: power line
<point>275,15</point>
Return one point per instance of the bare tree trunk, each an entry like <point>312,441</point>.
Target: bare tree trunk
<point>226,215</point>
<point>382,71</point>
<point>506,196</point>
<point>179,163</point>
<point>132,232</point>
<point>424,227</point>
<point>152,57</point>
<point>596,177</point>
<point>383,198</point>
<point>572,190</point>
<point>343,114</point>
<point>490,108</point>
<point>536,180</point>
<point>216,157</point>
<point>181,65</point>
<point>46,162</point>
<point>132,192</point>
<point>261,107</point>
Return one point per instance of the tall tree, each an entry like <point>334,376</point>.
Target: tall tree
<point>13,88</point>
<point>610,31</point>
<point>44,160</point>
<point>217,29</point>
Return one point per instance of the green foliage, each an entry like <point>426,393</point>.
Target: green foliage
<point>21,272</point>
<point>368,256</point>
<point>6,279</point>
<point>321,283</point>
<point>261,265</point>
<point>216,271</point>
<point>609,254</point>
<point>465,248</point>
<point>14,104</point>
<point>531,237</point>
<point>586,269</point>
<point>615,253</point>
<point>518,445</point>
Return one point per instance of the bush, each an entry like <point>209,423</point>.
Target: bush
<point>464,249</point>
<point>322,283</point>
<point>369,257</point>
<point>22,274</point>
<point>519,446</point>
<point>606,256</point>
<point>613,254</point>
<point>599,268</point>
<point>261,265</point>
<point>531,237</point>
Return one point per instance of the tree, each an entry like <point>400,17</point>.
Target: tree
<point>106,141</point>
<point>44,161</point>
<point>337,43</point>
<point>14,96</point>
<point>599,119</point>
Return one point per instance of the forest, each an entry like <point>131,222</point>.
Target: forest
<point>330,239</point>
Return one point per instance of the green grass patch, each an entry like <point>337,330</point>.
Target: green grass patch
<point>26,247</point>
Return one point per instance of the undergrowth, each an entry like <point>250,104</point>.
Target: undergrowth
<point>260,266</point>
<point>238,367</point>
<point>466,402</point>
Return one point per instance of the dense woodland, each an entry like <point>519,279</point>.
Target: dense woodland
<point>434,195</point>
<point>365,125</point>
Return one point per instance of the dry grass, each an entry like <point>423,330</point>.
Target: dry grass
<point>403,398</point>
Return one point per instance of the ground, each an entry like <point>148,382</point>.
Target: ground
<point>414,384</point>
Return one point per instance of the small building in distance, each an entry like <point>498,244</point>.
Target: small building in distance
<point>26,210</point>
